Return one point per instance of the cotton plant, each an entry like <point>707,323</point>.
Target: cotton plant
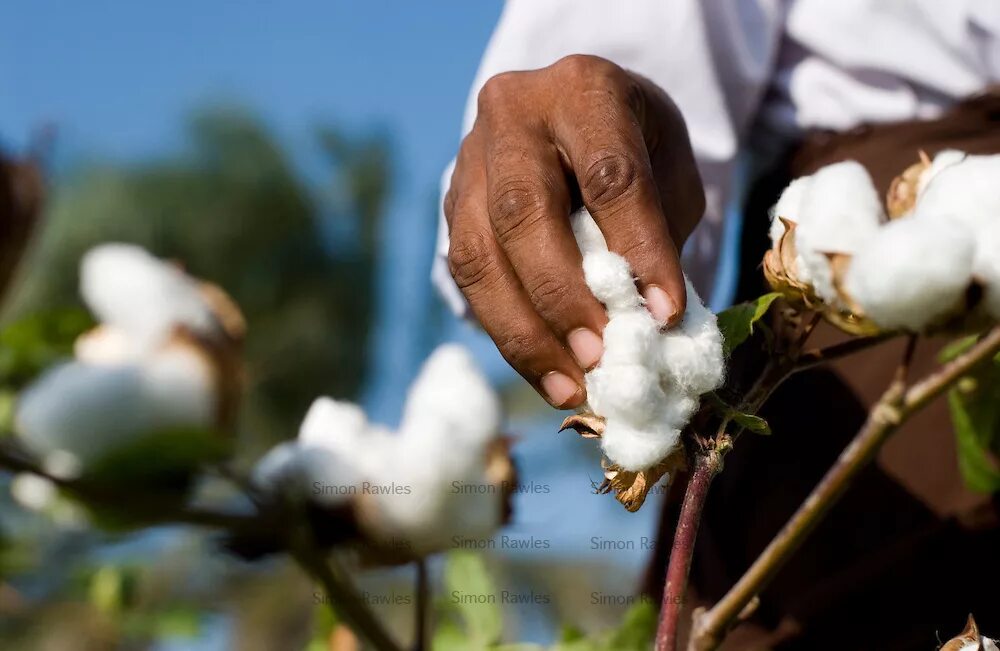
<point>164,357</point>
<point>444,474</point>
<point>929,262</point>
<point>649,382</point>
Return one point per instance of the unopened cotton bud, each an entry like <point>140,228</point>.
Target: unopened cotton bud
<point>912,273</point>
<point>129,289</point>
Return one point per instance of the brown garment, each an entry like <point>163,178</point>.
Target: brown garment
<point>909,551</point>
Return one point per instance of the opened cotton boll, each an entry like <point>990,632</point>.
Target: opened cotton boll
<point>81,412</point>
<point>647,384</point>
<point>840,210</point>
<point>913,273</point>
<point>401,486</point>
<point>143,296</point>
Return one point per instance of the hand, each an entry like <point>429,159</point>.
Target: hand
<point>581,127</point>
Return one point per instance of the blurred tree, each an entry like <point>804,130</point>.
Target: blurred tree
<point>235,210</point>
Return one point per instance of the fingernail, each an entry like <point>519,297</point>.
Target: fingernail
<point>587,347</point>
<point>659,304</point>
<point>559,390</point>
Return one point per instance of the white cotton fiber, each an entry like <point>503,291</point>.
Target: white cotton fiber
<point>966,191</point>
<point>451,391</point>
<point>630,338</point>
<point>912,272</point>
<point>87,410</point>
<point>144,296</point>
<point>638,448</point>
<point>690,352</point>
<point>403,482</point>
<point>610,279</point>
<point>624,391</point>
<point>648,381</point>
<point>942,160</point>
<point>840,210</point>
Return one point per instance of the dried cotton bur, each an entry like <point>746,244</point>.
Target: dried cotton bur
<point>648,383</point>
<point>970,639</point>
<point>932,264</point>
<point>164,357</point>
<point>445,474</point>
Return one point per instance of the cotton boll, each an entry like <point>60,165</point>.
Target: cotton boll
<point>610,279</point>
<point>632,448</point>
<point>88,411</point>
<point>789,207</point>
<point>986,266</point>
<point>964,192</point>
<point>629,391</point>
<point>128,288</point>
<point>915,270</point>
<point>450,389</point>
<point>629,338</point>
<point>840,212</point>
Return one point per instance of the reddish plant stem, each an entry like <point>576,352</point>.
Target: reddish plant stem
<point>706,466</point>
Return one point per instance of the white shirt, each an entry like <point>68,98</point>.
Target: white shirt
<point>788,65</point>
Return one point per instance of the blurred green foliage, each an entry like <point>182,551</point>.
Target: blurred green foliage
<point>298,257</point>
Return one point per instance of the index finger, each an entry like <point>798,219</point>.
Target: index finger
<point>613,170</point>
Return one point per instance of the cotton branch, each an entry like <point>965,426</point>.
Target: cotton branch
<point>885,417</point>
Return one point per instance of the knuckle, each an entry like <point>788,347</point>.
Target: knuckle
<point>548,294</point>
<point>611,177</point>
<point>577,65</point>
<point>496,90</point>
<point>469,259</point>
<point>515,206</point>
<point>519,348</point>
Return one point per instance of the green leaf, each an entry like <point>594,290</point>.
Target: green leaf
<point>956,348</point>
<point>29,345</point>
<point>449,636</point>
<point>975,414</point>
<point>470,589</point>
<point>637,630</point>
<point>755,424</point>
<point>736,322</point>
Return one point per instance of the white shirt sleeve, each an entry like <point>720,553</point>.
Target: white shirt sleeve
<point>713,57</point>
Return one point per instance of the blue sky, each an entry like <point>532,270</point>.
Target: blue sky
<point>118,78</point>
